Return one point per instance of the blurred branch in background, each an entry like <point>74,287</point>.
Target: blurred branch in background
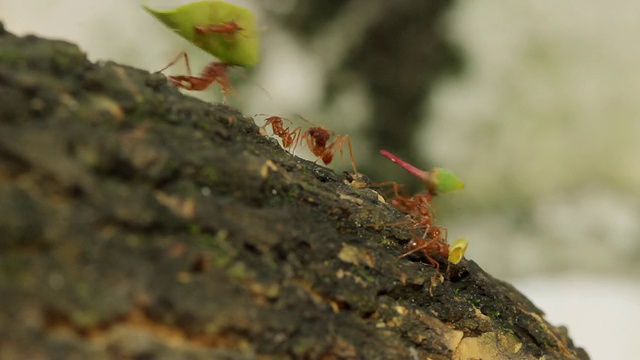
<point>396,49</point>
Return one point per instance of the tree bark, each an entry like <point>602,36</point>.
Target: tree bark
<point>139,223</point>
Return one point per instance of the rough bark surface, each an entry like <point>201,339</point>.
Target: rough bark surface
<point>138,223</point>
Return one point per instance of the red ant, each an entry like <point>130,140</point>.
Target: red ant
<point>433,245</point>
<point>429,247</point>
<point>289,137</point>
<point>228,28</point>
<point>420,216</point>
<point>214,72</point>
<point>318,137</point>
<point>433,241</point>
<point>417,208</point>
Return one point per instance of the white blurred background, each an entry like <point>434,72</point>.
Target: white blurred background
<point>541,124</point>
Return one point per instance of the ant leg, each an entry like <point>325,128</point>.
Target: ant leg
<point>434,279</point>
<point>193,83</point>
<point>338,145</point>
<point>396,187</point>
<point>447,272</point>
<point>353,162</point>
<point>426,231</point>
<point>177,58</point>
<point>225,85</point>
<point>296,139</point>
<point>339,142</point>
<point>421,247</point>
<point>218,74</point>
<point>306,137</point>
<point>433,263</point>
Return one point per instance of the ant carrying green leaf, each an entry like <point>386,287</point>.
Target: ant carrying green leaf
<point>224,30</point>
<point>428,239</point>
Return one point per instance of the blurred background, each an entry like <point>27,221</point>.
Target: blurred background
<point>532,103</point>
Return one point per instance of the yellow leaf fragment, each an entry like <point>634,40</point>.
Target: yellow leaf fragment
<point>457,249</point>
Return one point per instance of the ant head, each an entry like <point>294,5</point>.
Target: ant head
<point>319,134</point>
<point>435,232</point>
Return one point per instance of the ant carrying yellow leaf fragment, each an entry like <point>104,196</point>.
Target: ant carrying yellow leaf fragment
<point>428,239</point>
<point>224,30</point>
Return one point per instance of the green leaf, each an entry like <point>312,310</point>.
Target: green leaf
<point>446,181</point>
<point>240,48</point>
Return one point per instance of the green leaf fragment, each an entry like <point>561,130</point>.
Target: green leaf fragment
<point>445,181</point>
<point>240,48</point>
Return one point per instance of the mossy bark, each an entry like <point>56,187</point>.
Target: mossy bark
<point>136,222</point>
